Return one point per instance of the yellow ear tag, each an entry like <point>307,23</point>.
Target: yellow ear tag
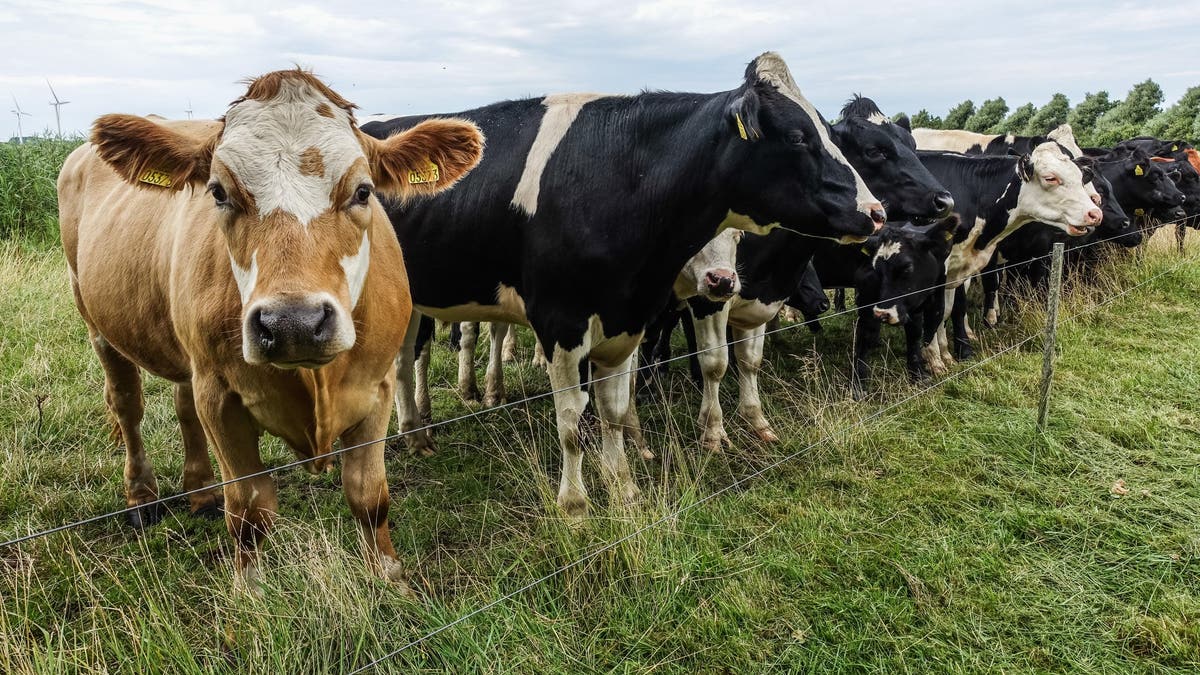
<point>429,174</point>
<point>741,127</point>
<point>1139,212</point>
<point>949,235</point>
<point>1174,148</point>
<point>156,177</point>
<point>1137,170</point>
<point>865,251</point>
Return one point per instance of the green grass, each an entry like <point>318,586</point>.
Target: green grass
<point>944,536</point>
<point>28,199</point>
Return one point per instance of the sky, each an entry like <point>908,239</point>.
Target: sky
<point>160,56</point>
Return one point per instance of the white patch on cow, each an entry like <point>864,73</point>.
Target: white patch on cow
<point>750,314</point>
<point>885,252</point>
<point>878,118</point>
<point>1064,206</point>
<point>561,111</point>
<point>888,314</point>
<point>738,221</point>
<point>510,300</point>
<point>508,308</point>
<point>719,256</point>
<point>355,267</point>
<point>953,140</point>
<point>1009,139</point>
<point>773,70</point>
<point>1064,135</point>
<point>263,141</point>
<point>245,278</point>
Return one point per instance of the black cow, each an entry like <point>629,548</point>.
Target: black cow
<point>772,267</point>
<point>583,211</point>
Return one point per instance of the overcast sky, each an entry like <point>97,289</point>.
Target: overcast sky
<point>435,56</point>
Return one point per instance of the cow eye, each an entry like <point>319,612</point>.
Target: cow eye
<point>219,195</point>
<point>1052,179</point>
<point>795,137</point>
<point>362,195</point>
<point>874,153</point>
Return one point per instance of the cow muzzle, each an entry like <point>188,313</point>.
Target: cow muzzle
<point>1091,219</point>
<point>296,332</point>
<point>887,315</point>
<point>720,284</point>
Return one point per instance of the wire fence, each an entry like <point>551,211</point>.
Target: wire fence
<point>740,482</point>
<point>487,411</point>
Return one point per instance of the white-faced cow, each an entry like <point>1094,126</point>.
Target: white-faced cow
<point>587,206</point>
<point>996,195</point>
<point>248,261</point>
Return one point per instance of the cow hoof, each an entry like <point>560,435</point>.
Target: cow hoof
<point>971,335</point>
<point>423,446</point>
<point>858,393</point>
<point>963,352</point>
<point>629,494</point>
<point>145,516</point>
<point>766,435</point>
<point>715,442</point>
<point>574,506</point>
<point>646,454</point>
<point>469,395</point>
<point>212,510</point>
<point>493,401</point>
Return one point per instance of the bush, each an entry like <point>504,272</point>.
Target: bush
<point>28,199</point>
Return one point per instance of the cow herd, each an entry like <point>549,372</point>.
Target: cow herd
<point>283,265</point>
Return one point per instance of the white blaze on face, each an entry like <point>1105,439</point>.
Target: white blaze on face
<point>561,111</point>
<point>889,314</point>
<point>1065,206</point>
<point>878,118</point>
<point>772,69</point>
<point>885,252</point>
<point>355,267</point>
<point>263,142</point>
<point>245,278</point>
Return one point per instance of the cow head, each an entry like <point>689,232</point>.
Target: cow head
<point>884,154</point>
<point>1143,185</point>
<point>781,166</point>
<point>810,298</point>
<point>907,264</point>
<point>1187,180</point>
<point>1116,226</point>
<point>291,184</point>
<point>712,273</point>
<point>1052,191</point>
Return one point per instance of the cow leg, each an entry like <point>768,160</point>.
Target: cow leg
<point>1180,235</point>
<point>748,349</point>
<point>197,469</point>
<point>991,297</point>
<point>633,424</point>
<point>569,402</point>
<point>417,439</point>
<point>839,299</point>
<point>468,388</point>
<point>611,386</point>
<point>539,355</point>
<point>866,338</point>
<point>250,503</point>
<point>914,335</point>
<point>709,350</point>
<point>510,345</point>
<point>364,482</point>
<point>689,336</point>
<point>494,394</point>
<point>424,402</point>
<point>958,318</point>
<point>123,395</point>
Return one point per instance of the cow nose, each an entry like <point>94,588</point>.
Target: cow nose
<point>878,215</point>
<point>943,203</point>
<point>1094,216</point>
<point>292,331</point>
<point>823,305</point>
<point>1125,224</point>
<point>720,282</point>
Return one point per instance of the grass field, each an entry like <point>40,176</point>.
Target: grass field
<point>946,535</point>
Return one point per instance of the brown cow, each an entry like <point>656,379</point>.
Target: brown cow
<point>247,261</point>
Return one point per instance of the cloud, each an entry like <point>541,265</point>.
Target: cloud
<point>156,55</point>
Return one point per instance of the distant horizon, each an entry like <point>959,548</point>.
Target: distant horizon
<point>152,56</point>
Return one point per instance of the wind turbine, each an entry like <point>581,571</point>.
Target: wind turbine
<point>57,104</point>
<point>189,109</point>
<point>18,112</point>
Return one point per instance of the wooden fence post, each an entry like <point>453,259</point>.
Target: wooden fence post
<point>1055,291</point>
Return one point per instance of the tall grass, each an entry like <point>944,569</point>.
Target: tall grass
<point>28,200</point>
<point>944,536</point>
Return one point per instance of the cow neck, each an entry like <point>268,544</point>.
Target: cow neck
<point>780,257</point>
<point>999,211</point>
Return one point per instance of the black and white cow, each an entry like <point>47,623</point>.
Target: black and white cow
<point>897,276</point>
<point>585,208</point>
<point>996,195</point>
<point>772,267</point>
<point>972,143</point>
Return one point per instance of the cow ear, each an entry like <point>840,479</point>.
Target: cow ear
<point>903,122</point>
<point>743,115</point>
<point>1162,160</point>
<point>426,159</point>
<point>1025,167</point>
<point>145,152</point>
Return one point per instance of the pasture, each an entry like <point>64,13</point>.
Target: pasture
<point>945,534</point>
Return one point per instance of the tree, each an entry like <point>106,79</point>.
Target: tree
<point>1178,121</point>
<point>1083,118</point>
<point>1054,113</point>
<point>957,117</point>
<point>923,120</point>
<point>988,115</point>
<point>1016,120</point>
<point>1126,119</point>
